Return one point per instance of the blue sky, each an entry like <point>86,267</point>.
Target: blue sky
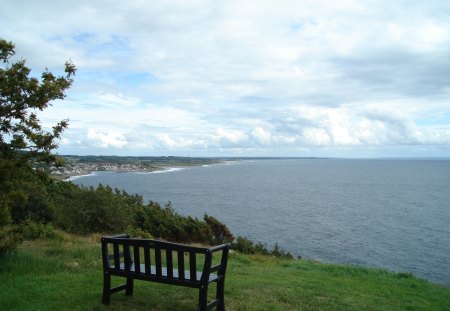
<point>244,78</point>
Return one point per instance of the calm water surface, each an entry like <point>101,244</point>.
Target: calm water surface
<point>393,214</point>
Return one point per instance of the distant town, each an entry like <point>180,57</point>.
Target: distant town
<point>84,165</point>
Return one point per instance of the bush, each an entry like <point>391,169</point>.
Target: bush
<point>9,235</point>
<point>24,193</point>
<point>88,210</point>
<point>278,252</point>
<point>135,232</point>
<point>220,232</point>
<point>32,230</point>
<point>246,246</point>
<point>29,203</point>
<point>23,197</point>
<point>164,222</point>
<point>9,238</point>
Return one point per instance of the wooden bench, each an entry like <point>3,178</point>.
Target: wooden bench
<point>164,262</point>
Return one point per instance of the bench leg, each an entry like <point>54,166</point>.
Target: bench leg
<point>203,298</point>
<point>106,288</point>
<point>129,288</point>
<point>220,294</point>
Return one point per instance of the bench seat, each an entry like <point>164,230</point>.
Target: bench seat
<point>187,274</point>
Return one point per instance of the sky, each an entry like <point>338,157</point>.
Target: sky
<point>243,78</point>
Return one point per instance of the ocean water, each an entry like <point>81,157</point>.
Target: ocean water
<point>386,213</point>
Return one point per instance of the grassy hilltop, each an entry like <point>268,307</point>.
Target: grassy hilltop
<point>64,272</point>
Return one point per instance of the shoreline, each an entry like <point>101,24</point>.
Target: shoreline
<point>78,170</point>
<point>93,173</point>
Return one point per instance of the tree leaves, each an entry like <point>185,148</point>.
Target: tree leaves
<point>21,96</point>
<point>25,147</point>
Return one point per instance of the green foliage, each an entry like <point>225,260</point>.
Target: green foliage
<point>164,222</point>
<point>33,230</point>
<point>404,275</point>
<point>22,138</point>
<point>25,147</point>
<point>23,193</point>
<point>220,232</point>
<point>136,232</point>
<point>29,203</point>
<point>278,252</point>
<point>102,209</point>
<point>86,210</point>
<point>246,246</point>
<point>9,238</point>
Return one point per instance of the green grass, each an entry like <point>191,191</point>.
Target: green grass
<point>66,274</point>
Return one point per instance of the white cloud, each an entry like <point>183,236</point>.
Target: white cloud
<point>178,142</point>
<point>231,136</point>
<point>117,99</point>
<point>106,139</point>
<point>261,135</point>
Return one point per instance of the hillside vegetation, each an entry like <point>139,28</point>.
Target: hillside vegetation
<point>64,272</point>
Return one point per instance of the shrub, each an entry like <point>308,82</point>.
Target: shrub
<point>9,235</point>
<point>164,222</point>
<point>9,238</point>
<point>246,246</point>
<point>278,252</point>
<point>88,210</point>
<point>136,232</point>
<point>220,232</point>
<point>29,203</point>
<point>32,230</point>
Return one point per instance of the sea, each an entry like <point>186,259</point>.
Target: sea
<point>385,213</point>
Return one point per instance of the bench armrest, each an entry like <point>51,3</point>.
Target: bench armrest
<point>218,247</point>
<point>219,268</point>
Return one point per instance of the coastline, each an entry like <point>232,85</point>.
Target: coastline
<point>80,166</point>
<point>141,171</point>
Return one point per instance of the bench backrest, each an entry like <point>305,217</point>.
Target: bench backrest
<point>161,261</point>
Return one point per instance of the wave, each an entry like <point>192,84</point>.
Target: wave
<point>168,170</point>
<point>72,178</point>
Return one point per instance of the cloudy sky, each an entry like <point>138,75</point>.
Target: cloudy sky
<point>243,78</point>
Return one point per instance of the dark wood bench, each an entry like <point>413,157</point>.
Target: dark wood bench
<point>164,262</point>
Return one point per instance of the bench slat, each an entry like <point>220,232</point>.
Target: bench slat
<point>127,257</point>
<point>181,274</point>
<point>158,260</point>
<point>116,255</point>
<point>169,263</point>
<point>147,260</point>
<point>192,266</point>
<point>137,259</point>
<point>165,273</point>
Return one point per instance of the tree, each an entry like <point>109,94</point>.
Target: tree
<point>25,147</point>
<point>220,232</point>
<point>21,134</point>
